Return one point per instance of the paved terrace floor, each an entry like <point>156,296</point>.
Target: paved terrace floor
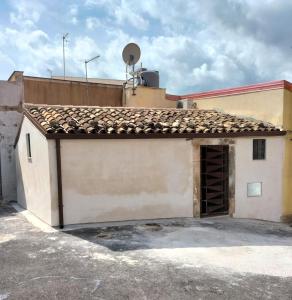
<point>218,258</point>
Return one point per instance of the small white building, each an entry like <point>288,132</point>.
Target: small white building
<point>98,164</point>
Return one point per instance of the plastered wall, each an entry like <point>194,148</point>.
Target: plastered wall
<point>273,106</point>
<point>262,105</point>
<point>287,180</point>
<point>36,178</point>
<point>287,172</point>
<point>242,170</point>
<point>113,180</point>
<point>269,171</point>
<point>10,117</point>
<point>146,97</point>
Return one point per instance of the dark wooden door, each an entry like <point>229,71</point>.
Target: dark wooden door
<point>214,180</point>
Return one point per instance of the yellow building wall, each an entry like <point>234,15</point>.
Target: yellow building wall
<point>287,172</point>
<point>262,105</point>
<point>287,113</point>
<point>146,97</point>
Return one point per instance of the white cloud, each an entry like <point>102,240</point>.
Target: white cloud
<point>91,3</point>
<point>92,23</point>
<point>194,45</point>
<point>123,12</point>
<point>73,14</point>
<point>26,13</point>
<point>126,13</point>
<point>6,64</point>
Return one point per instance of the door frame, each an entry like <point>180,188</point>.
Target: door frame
<point>196,144</point>
<point>223,151</point>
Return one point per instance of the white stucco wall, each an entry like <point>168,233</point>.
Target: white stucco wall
<point>10,117</point>
<point>112,180</point>
<point>36,178</point>
<point>268,171</point>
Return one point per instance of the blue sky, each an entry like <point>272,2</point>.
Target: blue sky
<point>195,45</point>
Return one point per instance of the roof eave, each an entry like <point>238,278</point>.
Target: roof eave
<point>165,135</point>
<point>35,123</point>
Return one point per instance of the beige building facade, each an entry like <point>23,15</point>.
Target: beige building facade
<point>112,178</point>
<point>105,180</point>
<point>20,89</point>
<point>143,96</point>
<point>93,92</point>
<point>134,180</point>
<point>36,176</point>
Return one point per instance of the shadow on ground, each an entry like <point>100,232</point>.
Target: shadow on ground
<point>63,265</point>
<point>221,232</point>
<point>7,211</point>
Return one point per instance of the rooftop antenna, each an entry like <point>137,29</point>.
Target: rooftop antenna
<point>131,54</point>
<point>86,62</point>
<point>50,72</point>
<point>64,40</point>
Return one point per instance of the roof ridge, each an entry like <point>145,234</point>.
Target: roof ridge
<point>109,107</point>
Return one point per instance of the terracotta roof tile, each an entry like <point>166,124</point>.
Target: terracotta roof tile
<point>140,121</point>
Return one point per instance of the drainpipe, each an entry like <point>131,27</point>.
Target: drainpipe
<point>60,189</point>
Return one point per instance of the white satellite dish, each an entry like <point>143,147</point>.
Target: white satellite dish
<point>131,54</point>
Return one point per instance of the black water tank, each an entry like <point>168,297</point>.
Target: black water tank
<point>150,78</point>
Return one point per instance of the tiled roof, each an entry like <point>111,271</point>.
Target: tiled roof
<point>140,121</point>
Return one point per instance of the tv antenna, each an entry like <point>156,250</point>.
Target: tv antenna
<point>87,61</point>
<point>50,72</point>
<point>64,38</point>
<point>131,55</point>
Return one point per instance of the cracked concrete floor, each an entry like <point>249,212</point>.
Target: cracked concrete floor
<point>218,258</point>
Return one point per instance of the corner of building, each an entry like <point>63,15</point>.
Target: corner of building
<point>53,182</point>
<point>287,169</point>
<point>11,99</point>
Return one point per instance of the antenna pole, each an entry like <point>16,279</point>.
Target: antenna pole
<point>51,72</point>
<point>64,66</point>
<point>133,89</point>
<point>86,62</point>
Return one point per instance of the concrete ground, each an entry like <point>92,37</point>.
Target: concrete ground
<point>218,258</point>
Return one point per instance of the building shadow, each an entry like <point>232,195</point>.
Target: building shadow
<point>226,232</point>
<point>6,210</point>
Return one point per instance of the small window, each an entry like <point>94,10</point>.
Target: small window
<point>259,149</point>
<point>28,146</point>
<point>254,189</point>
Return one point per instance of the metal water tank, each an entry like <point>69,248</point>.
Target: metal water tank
<point>150,78</point>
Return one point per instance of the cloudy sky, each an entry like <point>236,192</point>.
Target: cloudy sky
<point>196,45</point>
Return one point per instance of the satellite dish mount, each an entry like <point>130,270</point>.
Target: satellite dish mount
<point>131,55</point>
